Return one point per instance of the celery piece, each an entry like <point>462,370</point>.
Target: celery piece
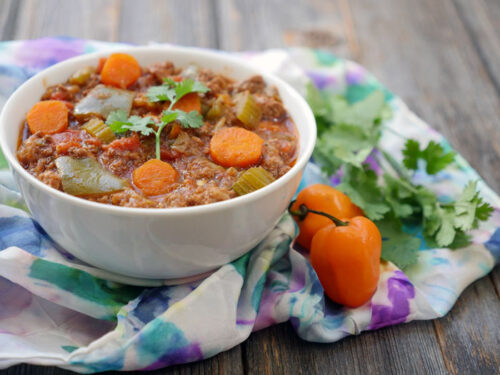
<point>251,180</point>
<point>103,100</point>
<point>87,177</point>
<point>248,110</point>
<point>97,128</point>
<point>214,112</point>
<point>81,76</point>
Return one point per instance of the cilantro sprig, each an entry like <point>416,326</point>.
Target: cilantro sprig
<point>170,91</point>
<point>347,134</point>
<point>435,157</point>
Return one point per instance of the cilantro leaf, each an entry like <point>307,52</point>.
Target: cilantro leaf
<point>188,86</point>
<point>360,184</point>
<point>397,194</point>
<point>161,93</point>
<point>398,247</point>
<point>362,114</point>
<point>435,157</point>
<point>169,116</point>
<point>470,208</point>
<point>317,101</point>
<point>411,154</point>
<point>119,123</point>
<point>446,232</point>
<point>189,119</point>
<point>347,143</point>
<point>173,91</point>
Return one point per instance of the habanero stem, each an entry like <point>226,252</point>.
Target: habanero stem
<point>304,211</point>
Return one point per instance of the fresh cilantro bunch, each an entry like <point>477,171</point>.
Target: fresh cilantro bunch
<point>347,135</point>
<point>170,91</point>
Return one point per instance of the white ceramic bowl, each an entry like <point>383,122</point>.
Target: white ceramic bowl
<point>156,243</point>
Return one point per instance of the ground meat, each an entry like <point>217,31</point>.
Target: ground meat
<point>217,83</point>
<point>122,162</point>
<point>163,70</point>
<point>254,85</point>
<point>202,169</point>
<point>272,160</point>
<point>272,109</point>
<point>198,195</point>
<point>36,154</point>
<point>51,178</point>
<point>189,145</point>
<point>128,198</point>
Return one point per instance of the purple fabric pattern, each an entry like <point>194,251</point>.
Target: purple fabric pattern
<point>400,292</point>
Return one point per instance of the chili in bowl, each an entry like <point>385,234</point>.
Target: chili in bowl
<point>157,162</point>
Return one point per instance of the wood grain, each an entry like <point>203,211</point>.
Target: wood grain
<point>90,19</point>
<point>254,25</point>
<point>227,363</point>
<point>481,19</point>
<point>184,22</point>
<point>469,334</point>
<point>8,15</point>
<point>406,349</point>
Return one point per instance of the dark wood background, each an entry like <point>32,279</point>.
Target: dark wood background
<point>441,56</point>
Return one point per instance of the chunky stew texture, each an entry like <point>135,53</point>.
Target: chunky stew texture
<point>157,137</point>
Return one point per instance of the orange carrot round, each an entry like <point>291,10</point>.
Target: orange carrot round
<point>154,177</point>
<point>120,70</point>
<point>188,103</point>
<point>236,147</point>
<point>48,117</point>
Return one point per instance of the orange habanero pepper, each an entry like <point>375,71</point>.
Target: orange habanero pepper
<point>346,257</point>
<point>328,200</point>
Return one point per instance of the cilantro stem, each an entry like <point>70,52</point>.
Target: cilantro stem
<point>158,132</point>
<point>303,211</point>
<point>396,133</point>
<point>396,166</point>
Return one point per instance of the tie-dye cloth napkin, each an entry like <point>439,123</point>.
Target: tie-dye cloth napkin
<point>54,310</point>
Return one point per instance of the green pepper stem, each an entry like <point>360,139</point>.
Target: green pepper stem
<point>304,211</point>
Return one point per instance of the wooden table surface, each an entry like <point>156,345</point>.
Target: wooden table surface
<point>442,57</point>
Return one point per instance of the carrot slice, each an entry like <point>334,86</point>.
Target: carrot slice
<point>120,70</point>
<point>188,103</point>
<point>174,132</point>
<point>154,177</point>
<point>48,117</point>
<point>236,147</point>
<point>100,65</point>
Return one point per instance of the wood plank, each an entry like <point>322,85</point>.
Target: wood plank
<point>495,278</point>
<point>278,350</point>
<point>255,25</point>
<point>227,363</point>
<point>184,22</point>
<point>90,19</point>
<point>8,16</point>
<point>469,334</point>
<point>481,18</point>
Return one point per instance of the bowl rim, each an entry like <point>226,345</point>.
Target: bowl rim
<point>195,52</point>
